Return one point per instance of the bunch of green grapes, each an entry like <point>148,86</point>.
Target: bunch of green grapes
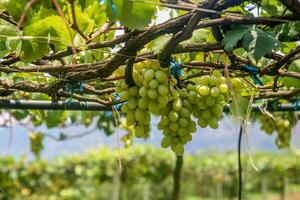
<point>36,143</point>
<point>267,124</point>
<point>155,90</point>
<point>208,98</point>
<point>176,122</point>
<point>136,112</point>
<point>282,123</point>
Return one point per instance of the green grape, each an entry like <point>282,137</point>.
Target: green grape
<point>183,122</point>
<point>202,123</point>
<point>124,95</point>
<point>165,120</point>
<point>149,74</point>
<point>143,92</point>
<point>236,82</point>
<point>204,80</point>
<point>192,97</point>
<point>210,101</point>
<point>143,103</point>
<point>182,131</point>
<point>132,103</point>
<point>202,105</point>
<point>123,85</point>
<point>220,98</point>
<point>153,84</point>
<point>203,90</point>
<point>163,90</point>
<point>217,110</point>
<point>183,93</point>
<point>213,123</point>
<point>177,104</point>
<point>152,93</point>
<point>152,106</point>
<point>206,114</point>
<point>166,142</point>
<point>161,76</point>
<point>173,126</point>
<point>139,115</point>
<point>130,119</point>
<point>147,118</point>
<point>173,116</point>
<point>187,104</point>
<point>160,126</point>
<point>125,108</point>
<point>214,91</point>
<point>223,88</point>
<point>213,81</point>
<point>192,127</point>
<point>179,150</point>
<point>134,91</point>
<point>139,131</point>
<point>162,101</point>
<point>185,113</point>
<point>217,74</point>
<point>190,87</point>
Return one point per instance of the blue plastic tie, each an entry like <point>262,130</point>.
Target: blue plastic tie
<point>254,71</point>
<point>117,106</point>
<point>112,5</point>
<point>71,89</point>
<point>295,104</point>
<point>81,89</point>
<point>176,68</point>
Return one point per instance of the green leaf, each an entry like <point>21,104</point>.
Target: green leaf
<point>7,33</point>
<point>14,7</point>
<point>292,82</point>
<point>157,44</point>
<point>19,115</point>
<point>54,118</point>
<point>39,34</point>
<point>259,43</point>
<point>135,15</point>
<point>233,36</point>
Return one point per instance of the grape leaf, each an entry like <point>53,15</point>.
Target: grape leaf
<point>292,82</point>
<point>233,36</point>
<point>7,44</point>
<point>41,33</point>
<point>259,42</point>
<point>135,15</point>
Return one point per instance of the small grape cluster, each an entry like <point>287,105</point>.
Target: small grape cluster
<point>36,143</point>
<point>136,115</point>
<point>208,98</point>
<point>154,91</point>
<point>282,123</point>
<point>176,123</point>
<point>150,94</point>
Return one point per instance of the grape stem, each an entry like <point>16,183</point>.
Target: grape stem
<point>177,177</point>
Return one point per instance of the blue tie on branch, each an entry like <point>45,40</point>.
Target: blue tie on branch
<point>254,71</point>
<point>112,5</point>
<point>176,68</point>
<point>71,89</point>
<point>295,104</point>
<point>117,106</point>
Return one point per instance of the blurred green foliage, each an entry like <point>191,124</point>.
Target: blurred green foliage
<point>145,170</point>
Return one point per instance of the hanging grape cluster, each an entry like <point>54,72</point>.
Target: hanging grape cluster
<point>282,123</point>
<point>36,143</point>
<point>156,92</point>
